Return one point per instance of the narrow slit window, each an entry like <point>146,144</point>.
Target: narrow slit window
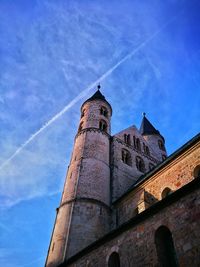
<point>126,157</point>
<point>104,111</point>
<point>140,164</point>
<point>103,126</point>
<point>165,247</point>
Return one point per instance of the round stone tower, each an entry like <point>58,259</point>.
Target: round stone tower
<point>84,212</point>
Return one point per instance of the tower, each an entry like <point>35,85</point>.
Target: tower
<point>154,138</point>
<point>83,215</point>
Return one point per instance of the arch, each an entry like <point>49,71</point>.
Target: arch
<point>104,111</point>
<point>165,247</point>
<point>126,157</point>
<point>140,164</point>
<point>146,149</point>
<point>134,141</point>
<point>103,125</point>
<point>161,145</point>
<point>127,139</point>
<point>196,171</point>
<point>114,260</point>
<point>137,144</point>
<point>166,192</point>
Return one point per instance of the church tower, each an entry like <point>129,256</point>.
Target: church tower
<point>154,138</point>
<point>84,214</point>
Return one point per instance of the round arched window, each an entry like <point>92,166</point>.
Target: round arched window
<point>197,171</point>
<point>114,260</point>
<point>167,191</point>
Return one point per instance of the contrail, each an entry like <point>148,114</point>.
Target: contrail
<point>84,93</point>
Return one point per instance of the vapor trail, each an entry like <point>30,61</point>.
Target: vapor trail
<point>84,92</point>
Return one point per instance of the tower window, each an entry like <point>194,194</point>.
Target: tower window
<point>165,247</point>
<point>137,144</point>
<point>166,192</point>
<point>114,260</point>
<point>140,164</point>
<point>104,112</point>
<point>127,139</point>
<point>197,171</point>
<point>80,128</point>
<point>126,157</point>
<point>161,145</point>
<point>134,141</point>
<point>146,149</point>
<point>103,126</point>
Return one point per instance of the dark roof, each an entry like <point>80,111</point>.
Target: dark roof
<point>97,96</point>
<point>147,128</point>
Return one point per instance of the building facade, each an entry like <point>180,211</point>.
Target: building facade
<point>125,203</point>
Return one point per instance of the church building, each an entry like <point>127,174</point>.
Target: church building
<point>125,203</point>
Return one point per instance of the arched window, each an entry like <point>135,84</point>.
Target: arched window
<point>127,139</point>
<point>151,166</point>
<point>140,164</point>
<point>114,260</point>
<point>126,157</point>
<point>146,149</point>
<point>137,144</point>
<point>134,141</point>
<point>80,126</point>
<point>165,247</point>
<point>103,126</point>
<point>103,111</point>
<point>161,145</point>
<point>167,191</point>
<point>197,171</point>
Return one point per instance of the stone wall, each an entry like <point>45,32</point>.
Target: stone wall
<point>135,242</point>
<point>123,175</point>
<point>174,175</point>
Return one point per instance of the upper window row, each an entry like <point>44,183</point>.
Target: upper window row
<point>102,126</point>
<point>136,143</point>
<point>103,111</point>
<point>127,159</point>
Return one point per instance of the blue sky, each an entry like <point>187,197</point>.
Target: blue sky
<point>52,53</point>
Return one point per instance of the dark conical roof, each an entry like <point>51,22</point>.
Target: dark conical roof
<point>147,128</point>
<point>97,96</point>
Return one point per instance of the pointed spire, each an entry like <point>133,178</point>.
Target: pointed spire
<point>98,96</point>
<point>146,127</point>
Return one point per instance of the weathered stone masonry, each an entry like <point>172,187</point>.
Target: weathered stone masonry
<point>124,203</point>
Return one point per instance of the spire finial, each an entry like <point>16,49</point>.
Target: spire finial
<point>98,86</point>
<point>144,114</point>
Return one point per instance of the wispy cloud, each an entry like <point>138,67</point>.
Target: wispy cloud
<point>85,92</point>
